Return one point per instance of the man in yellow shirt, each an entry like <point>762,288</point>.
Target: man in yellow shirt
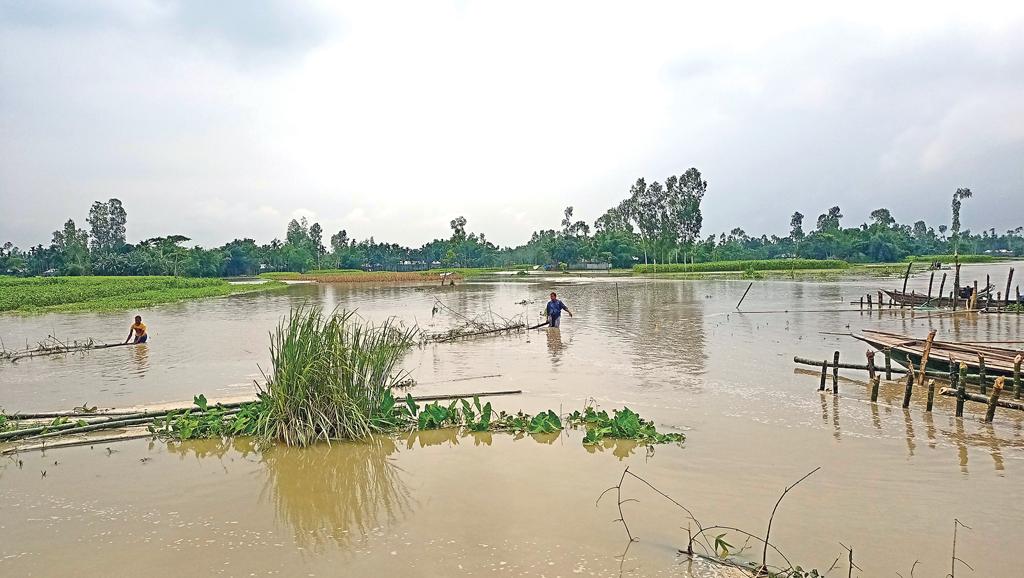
<point>139,329</point>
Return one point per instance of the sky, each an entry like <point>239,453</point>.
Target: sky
<point>223,120</point>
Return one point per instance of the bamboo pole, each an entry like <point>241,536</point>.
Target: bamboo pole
<point>1016,376</point>
<point>879,299</point>
<point>990,414</point>
<point>961,391</point>
<point>871,363</point>
<point>927,352</point>
<point>906,277</point>
<point>942,285</point>
<point>869,301</point>
<point>744,296</point>
<point>1009,281</point>
<point>1016,405</point>
<point>909,389</point>
<point>824,375</point>
<point>981,373</point>
<point>931,281</point>
<point>988,283</point>
<point>616,296</point>
<point>874,389</point>
<point>835,373</point>
<point>888,364</point>
<point>931,395</point>
<point>956,284</point>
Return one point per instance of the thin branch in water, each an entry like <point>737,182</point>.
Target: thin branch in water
<point>768,533</point>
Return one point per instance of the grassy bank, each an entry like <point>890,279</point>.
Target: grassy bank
<point>43,294</point>
<point>359,276</point>
<point>356,276</point>
<point>740,266</point>
<point>947,259</point>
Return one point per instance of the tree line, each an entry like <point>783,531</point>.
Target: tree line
<point>656,222</point>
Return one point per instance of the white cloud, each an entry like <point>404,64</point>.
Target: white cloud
<point>390,119</point>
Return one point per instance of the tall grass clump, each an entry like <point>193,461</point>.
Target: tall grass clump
<point>331,376</point>
<point>747,265</point>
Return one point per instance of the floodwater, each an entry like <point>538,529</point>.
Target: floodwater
<point>891,482</point>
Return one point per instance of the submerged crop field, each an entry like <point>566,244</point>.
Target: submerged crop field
<point>43,294</point>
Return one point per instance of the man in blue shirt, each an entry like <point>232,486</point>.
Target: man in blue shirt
<point>554,311</point>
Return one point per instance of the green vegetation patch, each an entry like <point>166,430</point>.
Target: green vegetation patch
<point>42,294</point>
<point>332,379</point>
<point>743,266</point>
<point>946,259</point>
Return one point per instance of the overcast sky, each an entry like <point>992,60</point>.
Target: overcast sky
<point>225,119</point>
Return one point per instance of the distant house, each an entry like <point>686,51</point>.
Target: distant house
<point>590,267</point>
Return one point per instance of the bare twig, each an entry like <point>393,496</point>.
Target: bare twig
<point>768,533</point>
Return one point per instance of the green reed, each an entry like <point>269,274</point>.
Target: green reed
<point>330,376</point>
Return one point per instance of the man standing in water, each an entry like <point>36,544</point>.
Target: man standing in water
<point>554,311</point>
<point>139,329</point>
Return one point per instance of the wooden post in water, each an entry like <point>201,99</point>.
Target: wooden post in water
<point>869,301</point>
<point>835,373</point>
<point>975,296</point>
<point>906,276</point>
<point>931,280</point>
<point>1016,376</point>
<point>871,363</point>
<point>988,285</point>
<point>981,374</point>
<point>931,395</point>
<point>910,386</point>
<point>862,304</point>
<point>1009,281</point>
<point>956,284</point>
<point>824,375</point>
<point>927,352</point>
<point>961,390</point>
<point>942,285</point>
<point>616,295</point>
<point>992,401</point>
<point>888,364</point>
<point>954,376</point>
<point>744,296</point>
<point>874,389</point>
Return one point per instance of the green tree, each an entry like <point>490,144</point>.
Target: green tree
<point>71,245</point>
<point>958,197</point>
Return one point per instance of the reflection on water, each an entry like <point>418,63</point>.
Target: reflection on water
<point>332,493</point>
<point>555,344</point>
<point>139,355</point>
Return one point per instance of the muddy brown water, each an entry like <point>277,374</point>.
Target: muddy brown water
<point>438,504</point>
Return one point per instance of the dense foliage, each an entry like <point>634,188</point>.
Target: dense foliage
<point>655,223</point>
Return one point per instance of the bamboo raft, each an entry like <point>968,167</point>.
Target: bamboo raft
<point>979,357</point>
